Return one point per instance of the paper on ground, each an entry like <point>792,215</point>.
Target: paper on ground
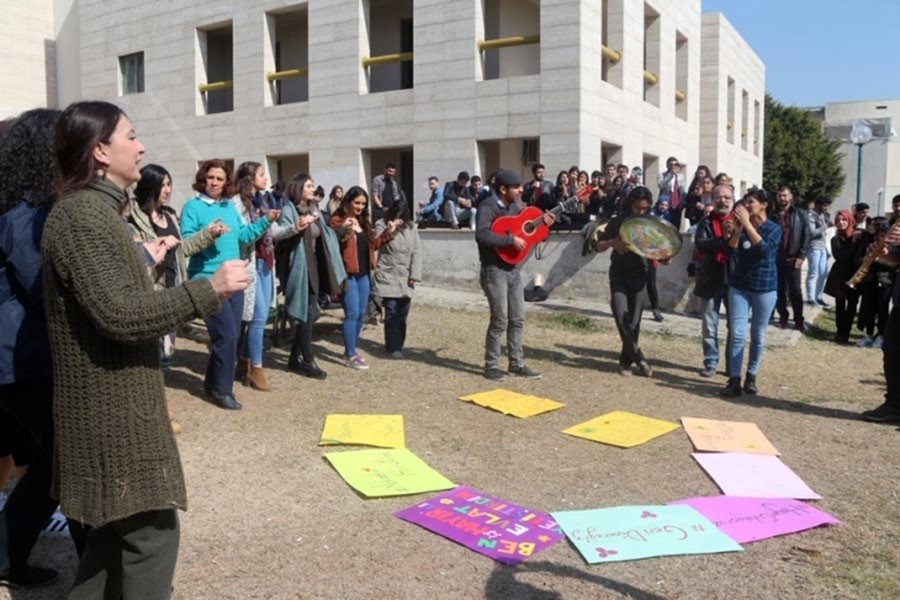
<point>512,403</point>
<point>620,428</point>
<point>507,532</point>
<point>708,435</point>
<point>381,431</point>
<point>754,476</point>
<point>393,472</point>
<point>752,519</point>
<point>633,532</point>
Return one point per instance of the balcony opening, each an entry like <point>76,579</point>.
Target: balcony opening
<point>650,164</point>
<point>375,163</point>
<point>651,55</point>
<point>682,62</point>
<point>731,125</point>
<point>610,154</point>
<point>284,166</point>
<point>515,154</point>
<point>214,69</point>
<point>757,129</point>
<point>612,39</point>
<point>388,60</point>
<point>745,120</point>
<point>131,74</point>
<point>511,45</point>
<point>287,56</point>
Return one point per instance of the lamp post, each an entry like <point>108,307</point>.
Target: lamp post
<point>860,134</point>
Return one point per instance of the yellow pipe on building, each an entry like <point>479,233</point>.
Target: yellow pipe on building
<point>288,74</point>
<point>386,59</point>
<point>613,56</point>
<point>680,96</point>
<point>215,86</point>
<point>508,42</point>
<point>651,78</point>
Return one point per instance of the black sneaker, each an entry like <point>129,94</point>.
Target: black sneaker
<point>28,577</point>
<point>750,385</point>
<point>657,315</point>
<point>886,413</point>
<point>524,371</point>
<point>494,374</point>
<point>643,369</point>
<point>732,389</point>
<point>708,372</point>
<point>625,371</point>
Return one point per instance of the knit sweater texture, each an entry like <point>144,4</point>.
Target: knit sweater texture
<point>115,455</point>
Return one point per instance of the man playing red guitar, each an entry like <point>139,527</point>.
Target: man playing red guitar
<point>502,282</point>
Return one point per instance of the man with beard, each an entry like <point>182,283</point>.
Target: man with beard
<point>710,241</point>
<point>537,188</point>
<point>792,251</point>
<point>385,191</point>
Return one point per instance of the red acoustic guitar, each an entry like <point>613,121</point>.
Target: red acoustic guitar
<point>529,225</point>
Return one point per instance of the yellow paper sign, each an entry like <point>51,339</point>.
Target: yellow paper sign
<point>381,431</point>
<point>727,436</point>
<point>620,428</point>
<point>394,472</point>
<point>512,403</point>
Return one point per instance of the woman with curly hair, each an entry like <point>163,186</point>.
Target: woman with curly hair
<point>26,382</point>
<point>214,186</point>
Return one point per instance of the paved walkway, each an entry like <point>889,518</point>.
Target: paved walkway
<point>674,324</point>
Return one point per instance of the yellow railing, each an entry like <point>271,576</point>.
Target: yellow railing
<point>386,59</point>
<point>508,42</point>
<point>613,56</point>
<point>215,86</point>
<point>287,74</point>
<point>651,78</point>
<point>680,96</point>
<point>743,133</point>
<point>730,124</point>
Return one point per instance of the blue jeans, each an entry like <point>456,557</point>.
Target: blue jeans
<point>224,327</point>
<point>253,341</point>
<point>755,308</point>
<point>710,331</point>
<point>817,268</point>
<point>354,300</point>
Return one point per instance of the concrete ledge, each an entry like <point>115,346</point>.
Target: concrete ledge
<point>450,260</point>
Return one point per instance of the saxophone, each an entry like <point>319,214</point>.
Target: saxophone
<point>872,255</point>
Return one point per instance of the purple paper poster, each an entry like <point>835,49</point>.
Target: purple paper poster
<point>501,530</point>
<point>752,519</point>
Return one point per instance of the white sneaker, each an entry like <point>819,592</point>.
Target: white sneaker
<point>866,342</point>
<point>878,342</point>
<point>357,362</point>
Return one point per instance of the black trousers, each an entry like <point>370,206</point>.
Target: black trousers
<point>874,308</point>
<point>845,312</point>
<point>28,404</point>
<point>396,311</point>
<point>133,559</point>
<point>652,290</point>
<point>303,333</point>
<point>891,356</point>
<point>627,304</point>
<point>789,289</point>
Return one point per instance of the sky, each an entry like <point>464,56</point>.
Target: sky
<point>821,51</point>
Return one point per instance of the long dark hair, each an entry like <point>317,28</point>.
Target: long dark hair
<point>636,195</point>
<point>246,173</point>
<point>206,167</point>
<point>398,210</point>
<point>294,191</point>
<point>343,210</point>
<point>149,187</point>
<point>27,159</point>
<point>80,128</point>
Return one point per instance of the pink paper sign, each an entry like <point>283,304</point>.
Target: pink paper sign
<point>753,519</point>
<point>754,476</point>
<point>501,530</point>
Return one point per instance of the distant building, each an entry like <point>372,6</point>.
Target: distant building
<point>340,87</point>
<point>880,179</point>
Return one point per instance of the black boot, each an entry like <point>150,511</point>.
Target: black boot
<point>732,389</point>
<point>311,369</point>
<point>226,401</point>
<point>750,385</point>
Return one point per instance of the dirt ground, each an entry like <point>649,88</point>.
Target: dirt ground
<point>269,518</point>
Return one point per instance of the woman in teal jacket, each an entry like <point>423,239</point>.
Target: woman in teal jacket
<point>215,186</point>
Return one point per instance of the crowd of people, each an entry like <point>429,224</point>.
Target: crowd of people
<point>98,274</point>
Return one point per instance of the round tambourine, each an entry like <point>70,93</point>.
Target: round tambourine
<point>650,237</point>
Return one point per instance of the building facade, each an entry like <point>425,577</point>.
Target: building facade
<point>338,88</point>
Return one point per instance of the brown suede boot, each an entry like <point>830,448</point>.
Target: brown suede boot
<point>256,379</point>
<point>241,369</point>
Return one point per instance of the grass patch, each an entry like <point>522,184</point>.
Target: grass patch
<point>824,327</point>
<point>570,322</point>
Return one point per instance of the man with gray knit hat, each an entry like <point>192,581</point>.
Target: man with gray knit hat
<point>502,282</point>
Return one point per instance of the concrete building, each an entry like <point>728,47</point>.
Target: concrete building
<point>340,87</point>
<point>879,179</point>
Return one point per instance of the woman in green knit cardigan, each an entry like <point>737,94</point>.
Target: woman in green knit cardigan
<point>117,470</point>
